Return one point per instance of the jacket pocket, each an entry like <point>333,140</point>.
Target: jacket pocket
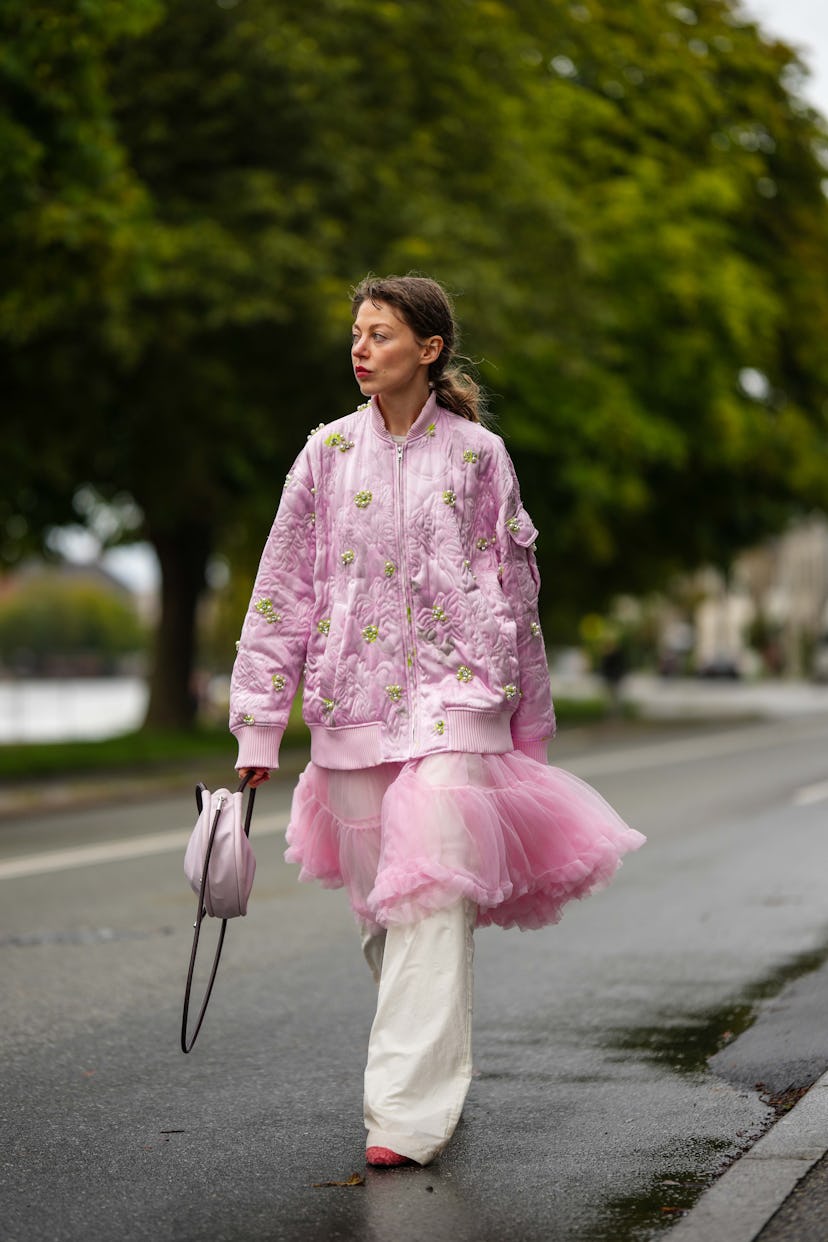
<point>523,532</point>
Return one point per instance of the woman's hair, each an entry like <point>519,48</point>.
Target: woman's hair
<point>426,307</point>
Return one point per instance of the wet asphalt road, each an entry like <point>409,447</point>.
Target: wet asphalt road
<point>593,1114</point>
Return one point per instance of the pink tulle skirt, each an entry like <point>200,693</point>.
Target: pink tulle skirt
<point>516,837</point>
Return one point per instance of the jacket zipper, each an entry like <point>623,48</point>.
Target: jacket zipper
<point>408,621</point>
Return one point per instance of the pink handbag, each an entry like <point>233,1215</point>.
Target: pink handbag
<point>219,856</point>
<point>220,866</point>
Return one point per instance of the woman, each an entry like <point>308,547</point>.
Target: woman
<point>400,577</point>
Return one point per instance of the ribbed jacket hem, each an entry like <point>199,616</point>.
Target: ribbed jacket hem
<point>347,747</point>
<point>258,746</point>
<point>479,733</point>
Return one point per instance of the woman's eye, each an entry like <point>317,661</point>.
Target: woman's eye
<point>378,336</point>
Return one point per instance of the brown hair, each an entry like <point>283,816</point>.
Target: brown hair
<point>426,308</point>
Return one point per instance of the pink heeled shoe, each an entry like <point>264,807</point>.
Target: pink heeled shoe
<point>385,1157</point>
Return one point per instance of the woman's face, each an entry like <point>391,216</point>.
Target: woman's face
<point>387,357</point>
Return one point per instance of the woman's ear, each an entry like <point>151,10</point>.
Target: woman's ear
<point>432,348</point>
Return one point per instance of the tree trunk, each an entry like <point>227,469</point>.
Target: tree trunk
<point>183,556</point>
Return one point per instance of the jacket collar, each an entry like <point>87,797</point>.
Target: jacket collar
<point>427,417</point>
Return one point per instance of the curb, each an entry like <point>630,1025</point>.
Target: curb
<point>68,793</point>
<point>739,1205</point>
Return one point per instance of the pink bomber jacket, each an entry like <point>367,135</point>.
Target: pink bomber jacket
<point>400,578</point>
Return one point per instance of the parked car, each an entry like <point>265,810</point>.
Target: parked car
<point>722,666</point>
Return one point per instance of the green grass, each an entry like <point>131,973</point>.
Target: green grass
<point>129,750</point>
<point>147,748</point>
<point>155,748</point>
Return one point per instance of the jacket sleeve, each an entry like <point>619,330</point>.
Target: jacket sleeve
<point>533,723</point>
<point>274,638</point>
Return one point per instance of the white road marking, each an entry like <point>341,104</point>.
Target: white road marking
<point>120,851</point>
<point>809,794</point>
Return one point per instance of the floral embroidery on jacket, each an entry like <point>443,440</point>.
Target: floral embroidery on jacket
<point>265,607</point>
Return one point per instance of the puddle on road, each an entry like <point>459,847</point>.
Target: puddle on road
<point>641,1217</point>
<point>686,1046</point>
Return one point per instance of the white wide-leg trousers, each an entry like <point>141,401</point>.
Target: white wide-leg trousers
<point>419,1052</point>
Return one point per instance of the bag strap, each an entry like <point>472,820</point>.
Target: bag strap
<point>201,913</point>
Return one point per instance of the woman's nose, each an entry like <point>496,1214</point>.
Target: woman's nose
<point>359,346</point>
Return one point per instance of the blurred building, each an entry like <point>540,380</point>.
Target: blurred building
<point>774,602</point>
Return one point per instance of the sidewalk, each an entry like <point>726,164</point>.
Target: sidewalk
<point>694,698</point>
<point>58,793</point>
<point>777,1191</point>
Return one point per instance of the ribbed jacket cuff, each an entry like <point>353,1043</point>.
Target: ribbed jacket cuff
<point>535,748</point>
<point>258,746</point>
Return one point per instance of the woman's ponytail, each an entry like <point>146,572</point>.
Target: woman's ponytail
<point>456,391</point>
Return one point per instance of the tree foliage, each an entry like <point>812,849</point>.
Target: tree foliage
<point>627,201</point>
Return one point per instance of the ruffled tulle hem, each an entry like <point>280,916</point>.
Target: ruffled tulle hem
<point>517,838</point>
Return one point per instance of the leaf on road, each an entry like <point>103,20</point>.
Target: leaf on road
<point>356,1179</point>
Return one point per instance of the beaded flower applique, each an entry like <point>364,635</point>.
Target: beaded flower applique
<point>337,440</point>
<point>265,607</point>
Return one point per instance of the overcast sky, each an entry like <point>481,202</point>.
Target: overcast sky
<point>804,24</point>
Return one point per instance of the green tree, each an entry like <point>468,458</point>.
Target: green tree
<point>626,198</point>
<point>50,622</point>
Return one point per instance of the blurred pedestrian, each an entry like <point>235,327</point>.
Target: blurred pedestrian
<point>612,666</point>
<point>400,578</point>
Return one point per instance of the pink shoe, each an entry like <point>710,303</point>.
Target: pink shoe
<point>385,1157</point>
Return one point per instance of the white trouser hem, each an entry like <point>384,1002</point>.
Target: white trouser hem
<point>421,1150</point>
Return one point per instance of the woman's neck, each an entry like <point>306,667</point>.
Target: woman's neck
<point>401,411</point>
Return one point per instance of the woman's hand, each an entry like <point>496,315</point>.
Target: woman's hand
<point>258,777</point>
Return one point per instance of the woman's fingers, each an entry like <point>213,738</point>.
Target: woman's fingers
<point>258,777</point>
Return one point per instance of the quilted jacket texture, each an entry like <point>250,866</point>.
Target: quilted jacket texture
<point>400,579</point>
